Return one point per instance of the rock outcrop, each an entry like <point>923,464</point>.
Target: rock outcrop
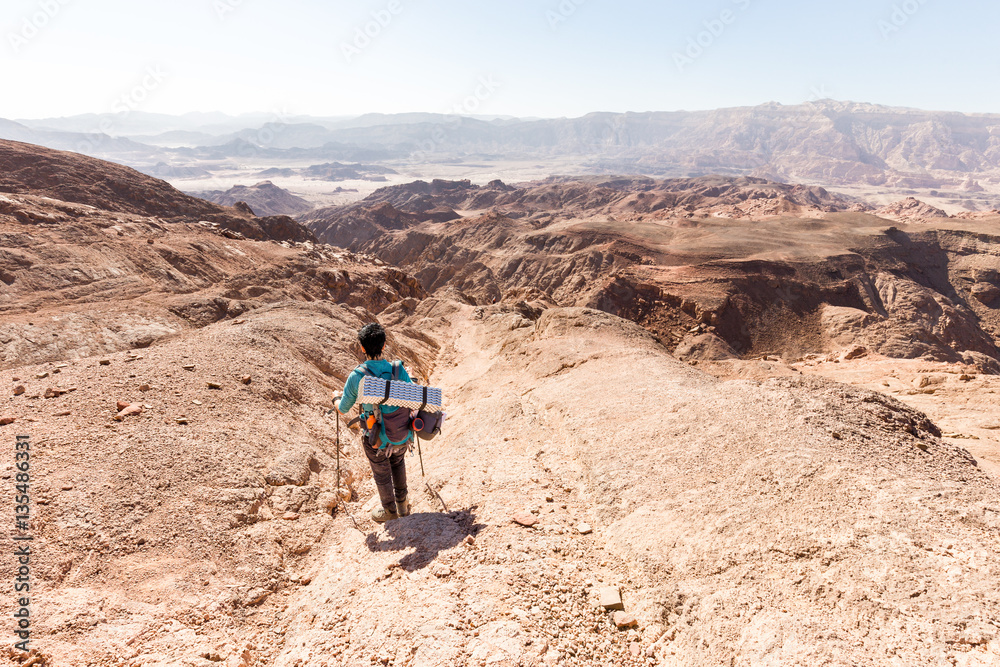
<point>264,199</point>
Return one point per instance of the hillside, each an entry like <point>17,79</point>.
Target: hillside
<point>112,188</point>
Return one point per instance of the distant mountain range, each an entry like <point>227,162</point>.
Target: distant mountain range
<point>826,142</point>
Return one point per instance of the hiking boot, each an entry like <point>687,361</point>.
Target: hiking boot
<point>403,507</point>
<point>381,515</point>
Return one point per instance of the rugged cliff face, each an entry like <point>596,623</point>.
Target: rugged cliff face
<point>764,267</point>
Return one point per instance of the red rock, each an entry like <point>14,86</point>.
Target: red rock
<point>19,389</point>
<point>910,208</point>
<point>122,405</point>
<point>624,620</point>
<point>134,409</point>
<point>525,519</point>
<point>6,420</point>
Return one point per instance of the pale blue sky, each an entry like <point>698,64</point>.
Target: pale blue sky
<point>266,55</point>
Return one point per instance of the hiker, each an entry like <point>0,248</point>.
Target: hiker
<point>385,454</point>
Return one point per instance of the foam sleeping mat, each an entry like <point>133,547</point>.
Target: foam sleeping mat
<point>401,394</point>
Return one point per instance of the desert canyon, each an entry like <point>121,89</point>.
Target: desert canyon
<point>756,398</point>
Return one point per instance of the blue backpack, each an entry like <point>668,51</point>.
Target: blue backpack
<point>391,429</point>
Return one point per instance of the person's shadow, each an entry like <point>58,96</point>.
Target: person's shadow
<point>427,533</point>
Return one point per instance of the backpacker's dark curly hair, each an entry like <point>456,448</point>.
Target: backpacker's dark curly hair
<point>372,338</point>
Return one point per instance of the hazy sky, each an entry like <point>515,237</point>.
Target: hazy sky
<point>517,57</point>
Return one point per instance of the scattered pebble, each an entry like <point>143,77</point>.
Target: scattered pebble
<point>246,379</point>
<point>64,413</point>
<point>611,598</point>
<point>441,570</point>
<point>624,620</point>
<point>188,367</point>
<point>4,421</point>
<point>290,516</point>
<point>128,411</point>
<point>66,487</point>
<point>524,519</point>
<point>196,402</point>
<point>856,353</point>
<point>19,389</point>
<point>584,529</point>
<point>144,387</point>
<point>105,362</point>
<point>121,405</point>
<point>214,385</point>
<point>181,420</point>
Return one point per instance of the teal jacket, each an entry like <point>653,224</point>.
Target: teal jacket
<point>380,368</point>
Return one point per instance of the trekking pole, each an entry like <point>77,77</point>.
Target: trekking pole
<point>420,454</point>
<point>424,477</point>
<point>337,417</point>
<point>336,412</point>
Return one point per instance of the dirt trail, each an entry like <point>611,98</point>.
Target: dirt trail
<point>789,522</point>
<point>466,586</point>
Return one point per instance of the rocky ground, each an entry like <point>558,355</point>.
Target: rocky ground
<point>594,500</point>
